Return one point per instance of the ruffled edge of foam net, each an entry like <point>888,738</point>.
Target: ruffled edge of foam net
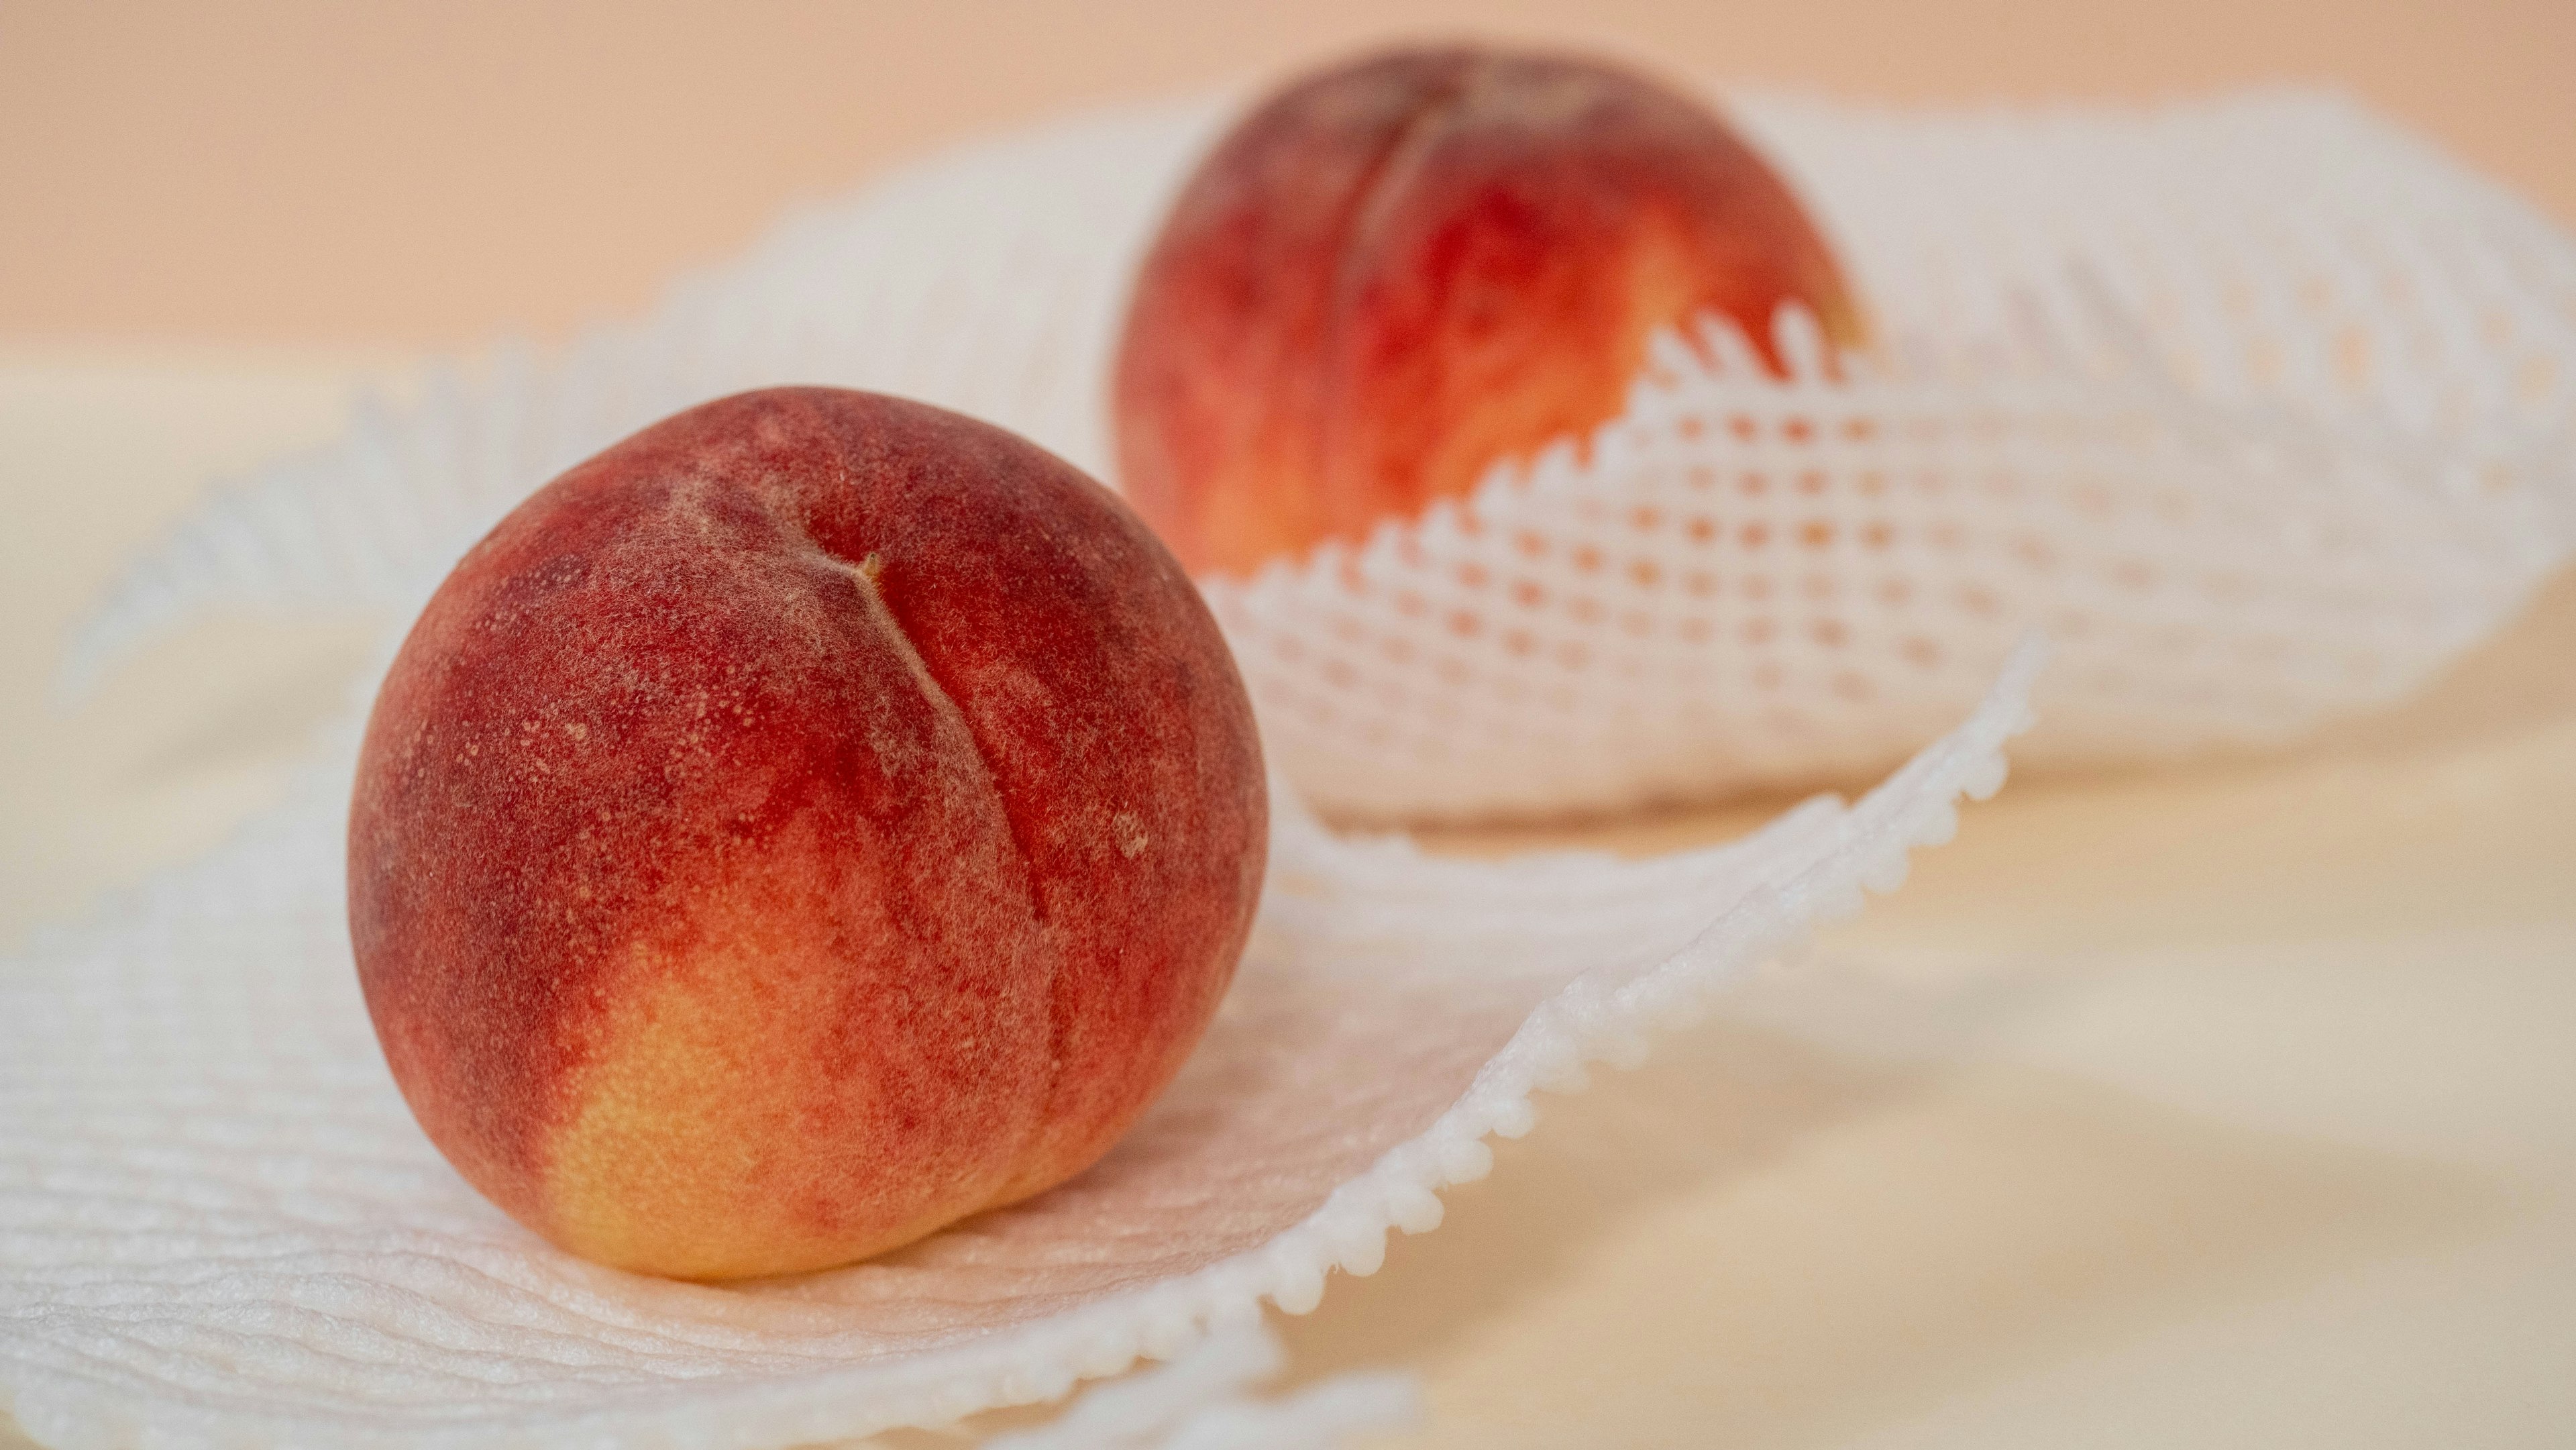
<point>894,289</point>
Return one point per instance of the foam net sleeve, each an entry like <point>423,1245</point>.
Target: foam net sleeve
<point>2260,408</point>
<point>219,1226</point>
<point>2262,411</point>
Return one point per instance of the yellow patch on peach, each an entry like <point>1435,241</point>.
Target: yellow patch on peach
<point>656,1171</point>
<point>710,1133</point>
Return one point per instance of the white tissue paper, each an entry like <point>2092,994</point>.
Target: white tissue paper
<point>219,1226</point>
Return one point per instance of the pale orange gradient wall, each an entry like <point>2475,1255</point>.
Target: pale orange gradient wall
<point>414,172</point>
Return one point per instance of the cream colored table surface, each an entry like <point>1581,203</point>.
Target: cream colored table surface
<point>2230,1107</point>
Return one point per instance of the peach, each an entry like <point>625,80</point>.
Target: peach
<point>1394,274</point>
<point>815,819</point>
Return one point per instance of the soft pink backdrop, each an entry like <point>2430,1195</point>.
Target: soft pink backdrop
<point>413,172</point>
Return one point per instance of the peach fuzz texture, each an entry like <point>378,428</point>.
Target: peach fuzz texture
<point>813,820</point>
<point>1392,275</point>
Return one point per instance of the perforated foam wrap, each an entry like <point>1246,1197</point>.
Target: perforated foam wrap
<point>219,1226</point>
<point>2261,409</point>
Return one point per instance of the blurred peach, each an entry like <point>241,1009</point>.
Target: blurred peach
<point>1392,275</point>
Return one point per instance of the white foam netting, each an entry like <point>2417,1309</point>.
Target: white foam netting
<point>219,1226</point>
<point>2262,409</point>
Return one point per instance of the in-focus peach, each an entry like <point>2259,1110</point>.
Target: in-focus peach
<point>1394,274</point>
<point>813,820</point>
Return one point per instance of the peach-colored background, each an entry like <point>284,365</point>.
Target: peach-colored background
<point>2228,1107</point>
<point>433,171</point>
